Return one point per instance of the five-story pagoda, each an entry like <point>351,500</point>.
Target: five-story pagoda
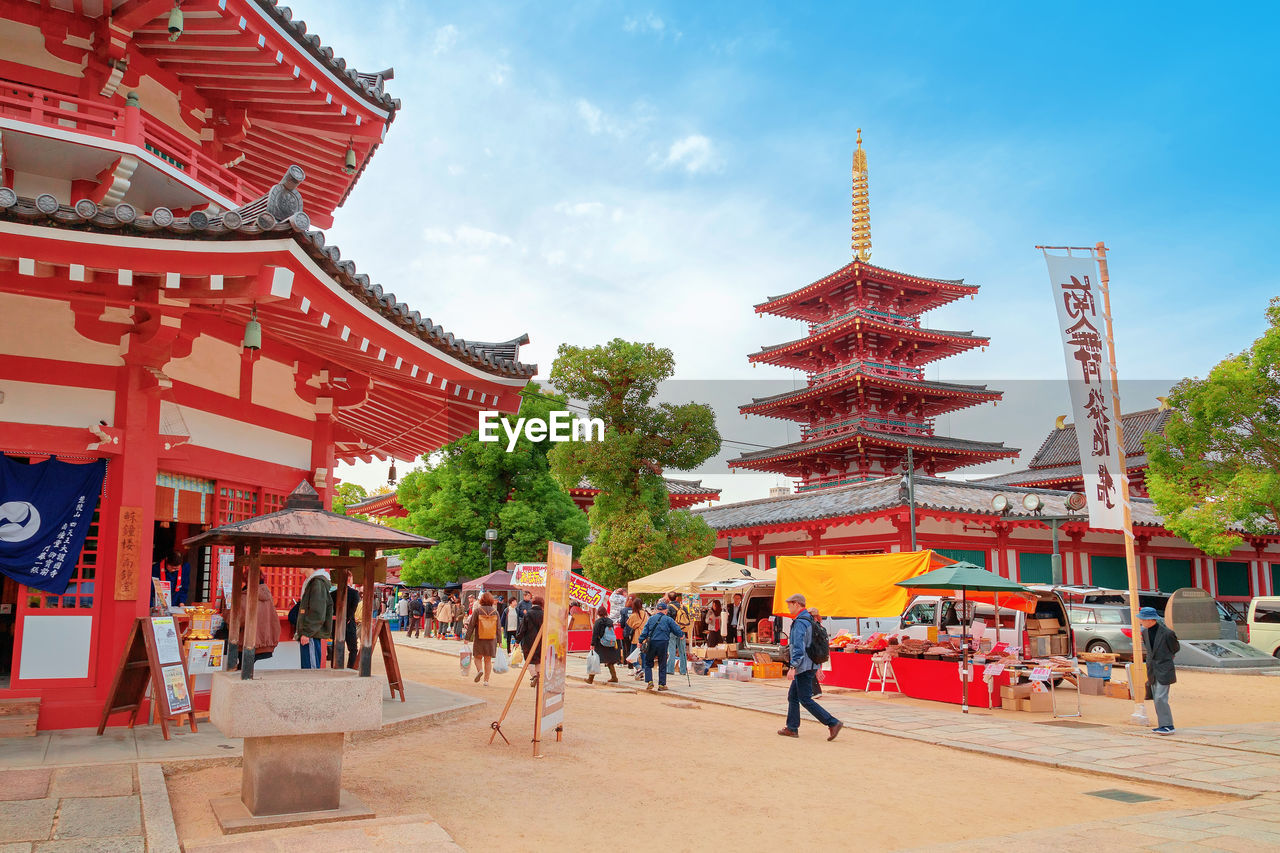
<point>867,403</point>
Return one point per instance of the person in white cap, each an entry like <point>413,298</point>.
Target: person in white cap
<point>803,675</point>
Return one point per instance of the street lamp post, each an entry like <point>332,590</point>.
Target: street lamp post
<point>1033,503</point>
<point>490,536</point>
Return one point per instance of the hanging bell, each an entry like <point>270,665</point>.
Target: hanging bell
<point>350,165</point>
<point>175,22</point>
<point>391,474</point>
<point>253,332</point>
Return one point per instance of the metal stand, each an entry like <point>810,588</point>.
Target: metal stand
<point>882,673</point>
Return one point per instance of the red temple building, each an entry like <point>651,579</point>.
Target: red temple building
<point>866,404</point>
<point>167,303</point>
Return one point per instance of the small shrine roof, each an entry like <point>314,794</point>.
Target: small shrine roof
<point>1060,446</point>
<point>848,271</point>
<point>1055,474</point>
<point>494,358</point>
<point>921,384</point>
<point>874,496</point>
<point>674,487</point>
<point>305,523</point>
<point>907,332</point>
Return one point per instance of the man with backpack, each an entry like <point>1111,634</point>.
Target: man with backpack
<point>810,648</point>
<point>417,610</point>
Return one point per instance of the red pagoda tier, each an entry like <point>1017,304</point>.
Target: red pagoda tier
<point>867,402</point>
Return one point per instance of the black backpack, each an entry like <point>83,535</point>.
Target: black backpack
<point>819,648</point>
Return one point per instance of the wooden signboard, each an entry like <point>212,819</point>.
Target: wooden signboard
<point>389,662</point>
<point>129,553</point>
<point>152,658</point>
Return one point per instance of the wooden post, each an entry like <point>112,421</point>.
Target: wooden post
<point>251,612</point>
<point>366,617</point>
<point>340,617</point>
<point>236,616</point>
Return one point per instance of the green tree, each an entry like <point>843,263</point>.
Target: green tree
<point>349,493</point>
<point>1217,465</point>
<point>636,531</point>
<point>474,486</point>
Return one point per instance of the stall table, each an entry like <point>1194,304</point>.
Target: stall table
<point>918,678</point>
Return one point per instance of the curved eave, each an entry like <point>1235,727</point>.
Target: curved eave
<point>777,304</point>
<point>984,451</point>
<point>766,406</point>
<point>961,340</point>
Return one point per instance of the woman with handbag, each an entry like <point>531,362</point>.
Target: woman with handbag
<point>530,641</point>
<point>714,633</point>
<point>604,642</point>
<point>635,624</point>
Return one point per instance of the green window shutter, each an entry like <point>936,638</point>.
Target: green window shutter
<point>1035,568</point>
<point>1275,578</point>
<point>1172,575</point>
<point>1233,579</point>
<point>978,558</point>
<point>1109,572</point>
<point>773,561</point>
<point>741,561</point>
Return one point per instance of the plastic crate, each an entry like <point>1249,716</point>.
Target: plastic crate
<point>1097,670</point>
<point>768,670</point>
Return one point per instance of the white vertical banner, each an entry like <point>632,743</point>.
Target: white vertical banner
<point>1084,342</point>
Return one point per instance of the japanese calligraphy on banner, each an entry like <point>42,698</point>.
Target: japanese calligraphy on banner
<point>1083,325</point>
<point>46,509</point>
<point>129,553</point>
<point>580,589</point>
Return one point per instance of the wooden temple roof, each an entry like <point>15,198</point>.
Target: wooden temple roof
<point>926,344</point>
<point>930,292</point>
<point>842,503</point>
<point>941,397</point>
<point>497,359</point>
<point>946,452</point>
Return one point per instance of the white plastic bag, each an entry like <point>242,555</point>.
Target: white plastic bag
<point>593,663</point>
<point>634,657</point>
<point>464,659</point>
<point>501,663</point>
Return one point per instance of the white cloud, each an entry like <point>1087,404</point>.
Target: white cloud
<point>650,23</point>
<point>466,237</point>
<point>694,153</point>
<point>498,76</point>
<point>446,38</point>
<point>581,208</point>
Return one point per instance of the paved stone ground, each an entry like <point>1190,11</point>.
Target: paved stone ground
<point>407,834</point>
<point>145,743</point>
<point>1242,761</point>
<point>71,808</point>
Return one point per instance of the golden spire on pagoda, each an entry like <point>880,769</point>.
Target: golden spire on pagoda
<point>861,204</point>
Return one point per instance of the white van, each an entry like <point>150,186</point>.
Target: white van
<point>943,614</point>
<point>1264,624</point>
<point>757,607</point>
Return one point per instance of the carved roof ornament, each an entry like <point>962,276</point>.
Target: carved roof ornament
<point>284,200</point>
<point>861,205</point>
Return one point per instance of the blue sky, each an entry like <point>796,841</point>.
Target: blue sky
<point>588,170</point>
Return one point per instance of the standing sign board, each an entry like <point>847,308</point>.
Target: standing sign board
<point>152,658</point>
<point>581,590</point>
<point>549,706</point>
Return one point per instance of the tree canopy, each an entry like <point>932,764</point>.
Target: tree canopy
<point>349,493</point>
<point>472,486</point>
<point>635,530</point>
<point>1218,462</point>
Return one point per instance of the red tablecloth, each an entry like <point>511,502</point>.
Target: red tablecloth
<point>936,680</point>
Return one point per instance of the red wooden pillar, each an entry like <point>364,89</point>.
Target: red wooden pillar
<point>1002,550</point>
<point>1078,559</point>
<point>322,452</point>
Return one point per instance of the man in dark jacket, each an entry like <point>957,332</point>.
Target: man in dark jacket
<point>804,674</point>
<point>417,610</point>
<point>655,639</point>
<point>1160,644</point>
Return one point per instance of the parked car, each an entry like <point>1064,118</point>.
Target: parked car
<point>943,613</point>
<point>1264,624</point>
<point>1102,628</point>
<point>1073,594</point>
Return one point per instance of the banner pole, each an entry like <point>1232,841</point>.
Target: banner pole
<point>1138,681</point>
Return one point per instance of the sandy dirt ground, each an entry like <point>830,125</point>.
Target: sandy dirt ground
<point>654,772</point>
<point>1198,699</point>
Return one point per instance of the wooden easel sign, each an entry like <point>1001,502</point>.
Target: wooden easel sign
<point>389,661</point>
<point>152,658</point>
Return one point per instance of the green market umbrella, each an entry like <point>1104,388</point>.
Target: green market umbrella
<point>966,578</point>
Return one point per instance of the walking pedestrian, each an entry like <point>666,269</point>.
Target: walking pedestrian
<point>402,611</point>
<point>605,642</point>
<point>444,615</point>
<point>655,639</point>
<point>1160,644</point>
<point>417,610</point>
<point>459,615</point>
<point>803,674</point>
<point>530,642</point>
<point>510,622</point>
<point>636,617</point>
<point>482,629</point>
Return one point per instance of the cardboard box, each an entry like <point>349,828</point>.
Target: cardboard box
<point>1058,645</point>
<point>1118,690</point>
<point>1090,686</point>
<point>1040,702</point>
<point>1051,626</point>
<point>1012,704</point>
<point>732,649</point>
<point>1041,646</point>
<point>714,653</point>
<point>1015,691</point>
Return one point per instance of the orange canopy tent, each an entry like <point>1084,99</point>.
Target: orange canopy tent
<point>854,585</point>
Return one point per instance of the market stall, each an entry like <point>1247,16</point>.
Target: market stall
<point>586,595</point>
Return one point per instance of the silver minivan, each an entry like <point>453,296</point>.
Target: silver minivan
<point>1102,628</point>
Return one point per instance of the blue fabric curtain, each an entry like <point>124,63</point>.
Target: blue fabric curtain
<point>45,512</point>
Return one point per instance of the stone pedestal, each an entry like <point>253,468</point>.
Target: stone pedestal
<point>293,723</point>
